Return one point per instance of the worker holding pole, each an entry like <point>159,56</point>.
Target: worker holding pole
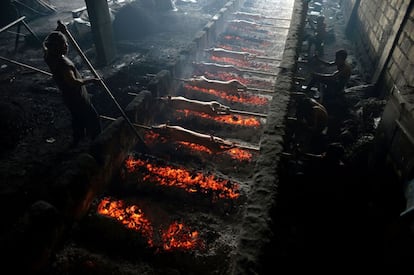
<point>85,118</point>
<point>63,29</point>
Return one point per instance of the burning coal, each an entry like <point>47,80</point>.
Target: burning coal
<point>241,97</point>
<point>243,64</point>
<point>191,182</point>
<point>237,120</point>
<point>177,236</point>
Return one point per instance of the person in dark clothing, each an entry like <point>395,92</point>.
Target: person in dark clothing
<point>318,37</point>
<point>85,118</point>
<point>336,81</point>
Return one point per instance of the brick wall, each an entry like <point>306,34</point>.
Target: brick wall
<point>400,69</point>
<point>385,35</point>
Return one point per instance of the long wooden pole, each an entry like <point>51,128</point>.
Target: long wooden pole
<point>25,66</point>
<point>12,24</point>
<point>95,73</point>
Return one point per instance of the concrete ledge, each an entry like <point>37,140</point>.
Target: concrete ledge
<point>256,231</point>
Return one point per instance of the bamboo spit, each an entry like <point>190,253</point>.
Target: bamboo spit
<point>210,107</point>
<point>231,68</point>
<point>238,55</point>
<point>179,133</point>
<point>228,86</point>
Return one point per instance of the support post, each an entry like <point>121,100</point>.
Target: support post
<point>101,25</point>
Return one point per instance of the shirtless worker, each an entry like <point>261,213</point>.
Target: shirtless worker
<point>85,119</point>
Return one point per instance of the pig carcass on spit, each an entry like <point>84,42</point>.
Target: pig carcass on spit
<point>230,86</point>
<point>178,133</point>
<point>245,23</point>
<point>253,15</point>
<point>220,52</point>
<point>209,107</point>
<point>214,67</point>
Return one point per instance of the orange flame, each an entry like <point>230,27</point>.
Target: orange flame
<point>240,97</point>
<point>181,178</point>
<point>176,237</point>
<point>227,119</point>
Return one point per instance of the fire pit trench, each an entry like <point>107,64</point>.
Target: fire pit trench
<point>181,206</point>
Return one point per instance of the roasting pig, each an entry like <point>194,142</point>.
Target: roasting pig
<point>245,23</point>
<point>208,107</point>
<point>214,67</point>
<point>231,86</point>
<point>178,133</point>
<point>220,52</point>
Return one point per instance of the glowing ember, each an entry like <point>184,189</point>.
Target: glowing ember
<point>243,64</point>
<point>176,237</point>
<point>131,216</point>
<point>226,119</point>
<point>179,237</point>
<point>243,49</point>
<point>239,97</point>
<point>229,76</point>
<point>261,44</point>
<point>181,178</point>
<point>239,154</point>
<point>151,137</point>
<point>195,147</point>
<point>232,61</point>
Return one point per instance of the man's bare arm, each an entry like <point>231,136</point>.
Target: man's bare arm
<point>71,78</point>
